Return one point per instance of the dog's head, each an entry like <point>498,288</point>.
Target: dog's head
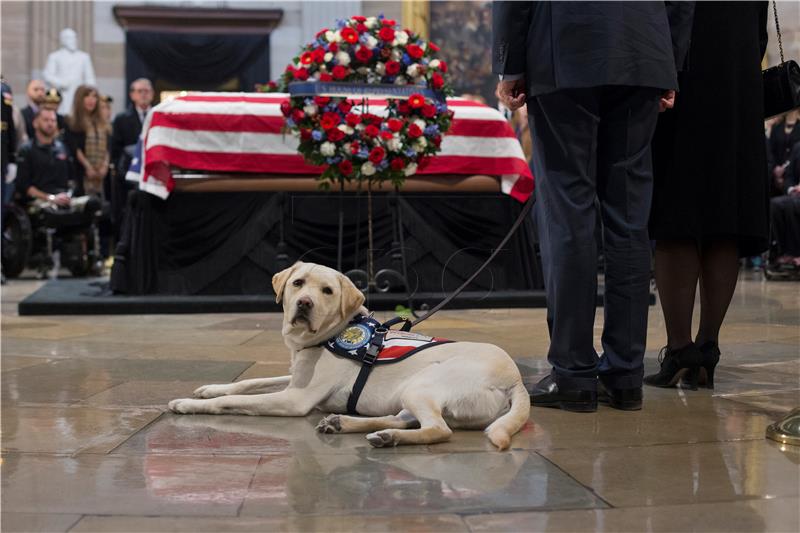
<point>317,302</point>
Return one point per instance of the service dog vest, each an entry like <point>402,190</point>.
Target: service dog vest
<point>367,341</point>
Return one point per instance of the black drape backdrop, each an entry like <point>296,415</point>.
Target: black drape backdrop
<point>197,61</point>
<point>226,243</point>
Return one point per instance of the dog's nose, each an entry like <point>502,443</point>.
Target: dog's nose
<point>305,303</point>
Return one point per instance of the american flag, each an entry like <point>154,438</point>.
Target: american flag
<point>241,133</point>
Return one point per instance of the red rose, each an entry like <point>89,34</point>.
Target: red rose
<point>346,167</point>
<point>433,46</point>
<point>394,124</point>
<point>397,164</point>
<point>414,51</point>
<point>355,147</point>
<point>416,101</point>
<point>403,108</point>
<point>377,154</point>
<point>428,111</point>
<point>335,134</point>
<point>437,80</point>
<point>414,131</point>
<point>320,33</point>
<point>371,131</point>
<point>330,120</point>
<point>298,115</point>
<point>324,76</point>
<point>363,54</point>
<point>352,120</point>
<point>339,72</point>
<point>322,100</point>
<point>386,135</point>
<point>333,48</point>
<point>392,68</point>
<point>437,140</point>
<point>305,134</point>
<point>306,58</point>
<point>376,120</point>
<point>386,34</point>
<point>318,55</point>
<point>345,106</point>
<point>286,108</point>
<point>361,28</point>
<point>349,35</point>
<point>389,22</point>
<point>359,18</point>
<point>442,66</point>
<point>301,74</point>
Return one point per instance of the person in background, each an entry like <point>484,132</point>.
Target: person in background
<point>785,214</point>
<point>35,91</point>
<point>784,134</point>
<point>711,200</point>
<point>88,137</point>
<point>126,129</point>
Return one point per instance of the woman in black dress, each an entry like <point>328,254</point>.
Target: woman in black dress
<point>710,199</point>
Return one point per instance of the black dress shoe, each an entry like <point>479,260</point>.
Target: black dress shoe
<point>624,399</point>
<point>547,394</point>
<point>677,366</point>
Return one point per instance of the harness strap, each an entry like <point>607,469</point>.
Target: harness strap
<point>367,364</point>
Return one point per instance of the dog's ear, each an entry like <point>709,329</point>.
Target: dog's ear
<point>279,280</point>
<point>352,298</point>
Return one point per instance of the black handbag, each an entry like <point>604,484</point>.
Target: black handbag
<point>781,82</point>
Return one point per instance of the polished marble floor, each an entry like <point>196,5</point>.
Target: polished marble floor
<point>87,444</point>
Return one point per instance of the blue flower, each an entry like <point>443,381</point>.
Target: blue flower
<point>410,153</point>
<point>363,154</point>
<point>406,59</point>
<point>431,130</point>
<point>341,24</point>
<point>316,135</point>
<point>383,165</point>
<point>308,101</point>
<point>290,123</point>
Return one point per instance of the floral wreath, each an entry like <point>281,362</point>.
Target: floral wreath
<point>339,133</point>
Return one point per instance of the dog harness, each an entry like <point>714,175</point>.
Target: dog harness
<point>367,341</point>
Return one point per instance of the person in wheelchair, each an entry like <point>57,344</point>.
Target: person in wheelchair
<point>46,188</point>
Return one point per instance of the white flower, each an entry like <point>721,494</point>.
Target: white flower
<point>371,22</point>
<point>420,144</point>
<point>328,57</point>
<point>434,64</point>
<point>310,110</point>
<point>360,127</point>
<point>345,128</point>
<point>362,70</point>
<point>400,80</point>
<point>394,144</point>
<point>343,58</point>
<point>327,149</point>
<point>421,124</point>
<point>371,42</point>
<point>410,169</point>
<point>329,36</point>
<point>367,168</point>
<point>396,55</point>
<point>401,37</point>
<point>380,68</point>
<point>412,70</point>
<point>423,45</point>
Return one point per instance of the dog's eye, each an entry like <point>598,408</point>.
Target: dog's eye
<point>298,283</point>
<point>327,290</point>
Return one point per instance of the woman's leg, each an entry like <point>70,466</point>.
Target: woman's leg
<point>677,273</point>
<point>718,275</point>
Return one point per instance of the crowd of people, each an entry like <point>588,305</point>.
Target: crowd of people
<point>783,160</point>
<point>71,163</point>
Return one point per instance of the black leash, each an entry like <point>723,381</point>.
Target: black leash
<point>525,210</point>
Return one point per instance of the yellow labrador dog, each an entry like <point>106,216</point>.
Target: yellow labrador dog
<point>417,400</point>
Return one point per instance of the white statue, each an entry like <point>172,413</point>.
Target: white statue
<point>67,68</point>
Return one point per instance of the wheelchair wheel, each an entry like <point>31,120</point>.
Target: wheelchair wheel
<point>17,240</point>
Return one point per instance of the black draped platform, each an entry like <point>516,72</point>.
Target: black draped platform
<point>231,243</point>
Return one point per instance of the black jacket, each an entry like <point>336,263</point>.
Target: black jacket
<point>560,45</point>
<point>126,130</point>
<point>48,167</point>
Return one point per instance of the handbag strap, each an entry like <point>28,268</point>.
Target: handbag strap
<point>777,27</point>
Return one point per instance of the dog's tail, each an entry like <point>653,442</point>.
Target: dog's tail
<point>501,430</point>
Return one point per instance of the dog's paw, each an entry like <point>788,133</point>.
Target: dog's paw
<point>210,391</point>
<point>330,424</point>
<point>381,439</point>
<point>182,406</point>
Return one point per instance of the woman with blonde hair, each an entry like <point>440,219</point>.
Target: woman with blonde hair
<point>88,137</point>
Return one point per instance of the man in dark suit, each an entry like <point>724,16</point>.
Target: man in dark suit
<point>594,76</point>
<point>126,129</point>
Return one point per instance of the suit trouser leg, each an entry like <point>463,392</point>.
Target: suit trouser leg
<point>594,143</point>
<point>564,127</point>
<point>624,189</point>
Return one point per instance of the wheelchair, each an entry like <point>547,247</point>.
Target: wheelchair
<point>45,238</point>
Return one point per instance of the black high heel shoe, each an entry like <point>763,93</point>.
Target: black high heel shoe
<point>677,365</point>
<point>710,357</point>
